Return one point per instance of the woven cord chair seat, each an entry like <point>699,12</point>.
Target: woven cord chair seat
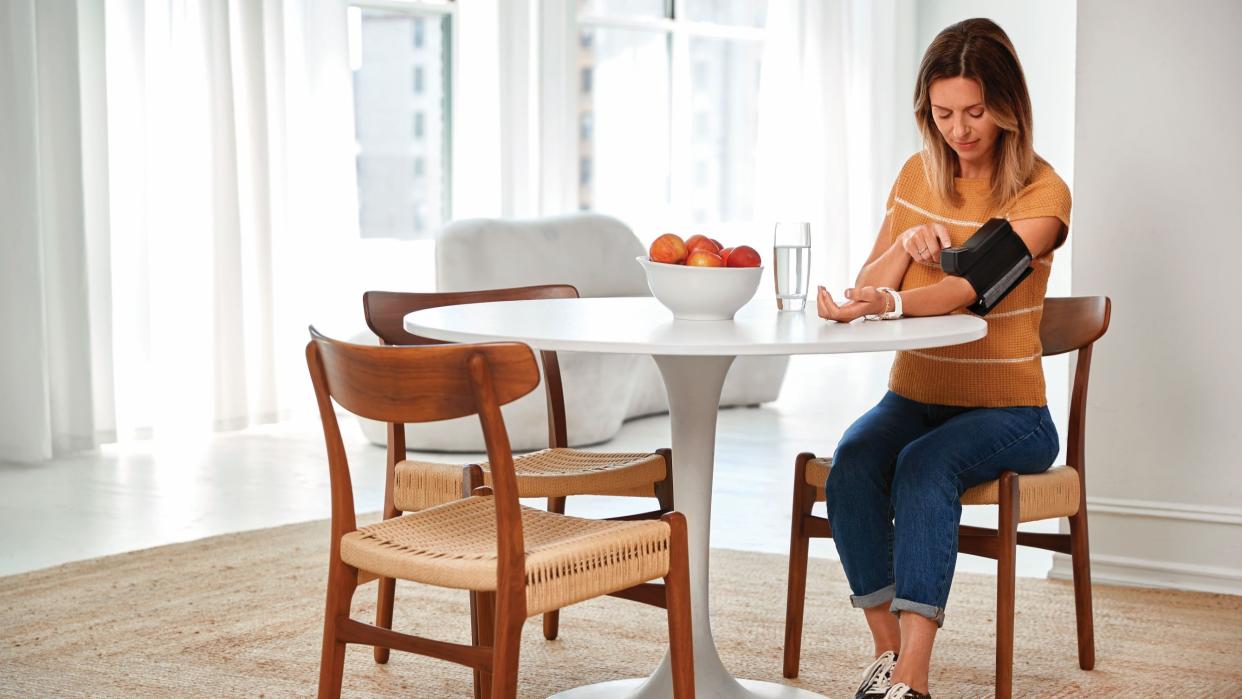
<point>418,485</point>
<point>568,559</point>
<point>1053,493</point>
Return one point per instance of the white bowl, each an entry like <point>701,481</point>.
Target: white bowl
<point>701,293</point>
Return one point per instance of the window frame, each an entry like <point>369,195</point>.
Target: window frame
<point>679,33</point>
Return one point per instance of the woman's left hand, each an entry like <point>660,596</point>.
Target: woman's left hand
<point>864,300</point>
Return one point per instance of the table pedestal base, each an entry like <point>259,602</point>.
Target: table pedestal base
<point>632,689</point>
<point>694,384</point>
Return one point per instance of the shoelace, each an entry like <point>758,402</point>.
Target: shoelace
<point>879,683</point>
<point>899,690</point>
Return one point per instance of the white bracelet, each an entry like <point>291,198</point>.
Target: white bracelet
<point>896,312</point>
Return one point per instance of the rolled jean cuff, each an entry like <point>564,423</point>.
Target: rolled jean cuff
<point>936,614</point>
<point>880,596</point>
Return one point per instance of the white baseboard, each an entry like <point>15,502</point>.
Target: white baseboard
<point>1138,572</point>
<point>1130,545</point>
<point>1164,510</point>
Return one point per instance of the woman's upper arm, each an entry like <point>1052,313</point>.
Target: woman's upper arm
<point>1040,234</point>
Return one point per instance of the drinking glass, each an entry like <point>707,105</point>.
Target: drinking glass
<point>791,264</point>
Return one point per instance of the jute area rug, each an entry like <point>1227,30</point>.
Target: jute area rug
<point>240,616</point>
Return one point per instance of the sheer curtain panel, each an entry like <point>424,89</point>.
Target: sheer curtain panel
<point>833,128</point>
<point>46,374</point>
<point>175,204</point>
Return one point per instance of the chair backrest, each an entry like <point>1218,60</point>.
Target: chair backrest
<point>593,252</point>
<point>386,310</point>
<point>1071,323</point>
<point>1074,324</point>
<point>421,384</point>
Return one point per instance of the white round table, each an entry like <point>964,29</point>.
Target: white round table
<point>693,357</point>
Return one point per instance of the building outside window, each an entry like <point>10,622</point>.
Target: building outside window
<point>402,129</point>
<point>669,113</point>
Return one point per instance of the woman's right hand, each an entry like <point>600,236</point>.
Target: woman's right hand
<point>924,242</point>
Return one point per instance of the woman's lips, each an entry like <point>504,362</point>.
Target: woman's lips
<point>965,146</point>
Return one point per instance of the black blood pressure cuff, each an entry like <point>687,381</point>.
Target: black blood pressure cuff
<point>994,261</point>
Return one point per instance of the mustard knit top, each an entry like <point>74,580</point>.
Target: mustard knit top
<point>1004,368</point>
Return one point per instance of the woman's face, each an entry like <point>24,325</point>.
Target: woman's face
<point>958,110</point>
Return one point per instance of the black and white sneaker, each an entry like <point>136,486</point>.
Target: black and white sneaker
<point>901,690</point>
<point>877,678</point>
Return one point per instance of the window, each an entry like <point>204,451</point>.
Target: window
<point>584,127</point>
<point>668,109</point>
<point>584,171</point>
<point>402,134</point>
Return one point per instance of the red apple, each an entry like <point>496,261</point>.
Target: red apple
<point>700,242</point>
<point>717,242</point>
<point>724,255</point>
<point>744,256</point>
<point>704,258</point>
<point>669,249</point>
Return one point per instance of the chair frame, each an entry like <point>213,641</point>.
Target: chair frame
<point>385,313</point>
<point>391,384</point>
<point>1068,324</point>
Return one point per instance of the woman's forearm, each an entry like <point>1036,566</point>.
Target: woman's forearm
<point>945,296</point>
<point>886,270</point>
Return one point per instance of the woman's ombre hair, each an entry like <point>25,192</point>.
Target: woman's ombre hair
<point>980,50</point>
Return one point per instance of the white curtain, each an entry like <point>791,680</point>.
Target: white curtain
<point>834,122</point>
<point>172,207</point>
<point>54,399</point>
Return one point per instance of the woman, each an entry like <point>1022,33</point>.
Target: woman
<point>956,416</point>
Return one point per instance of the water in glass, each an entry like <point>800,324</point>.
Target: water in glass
<point>791,264</point>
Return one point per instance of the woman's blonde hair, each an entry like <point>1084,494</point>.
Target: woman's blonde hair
<point>980,50</point>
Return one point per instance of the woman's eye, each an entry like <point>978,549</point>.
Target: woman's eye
<point>975,115</point>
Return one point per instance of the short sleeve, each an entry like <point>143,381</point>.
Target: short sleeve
<point>1046,195</point>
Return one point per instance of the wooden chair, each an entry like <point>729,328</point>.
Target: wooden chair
<point>553,473</point>
<point>1068,324</point>
<point>517,561</point>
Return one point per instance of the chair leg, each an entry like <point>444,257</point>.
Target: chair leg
<point>483,626</point>
<point>1006,570</point>
<point>342,581</point>
<point>552,619</point>
<point>795,598</point>
<point>383,613</point>
<point>677,594</point>
<point>1080,556</point>
<point>481,607</point>
<point>506,650</point>
<point>664,488</point>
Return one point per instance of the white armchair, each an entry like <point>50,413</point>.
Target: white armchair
<point>596,254</point>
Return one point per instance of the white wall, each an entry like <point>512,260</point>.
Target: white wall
<point>1156,227</point>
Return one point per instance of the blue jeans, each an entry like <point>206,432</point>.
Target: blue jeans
<point>895,486</point>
